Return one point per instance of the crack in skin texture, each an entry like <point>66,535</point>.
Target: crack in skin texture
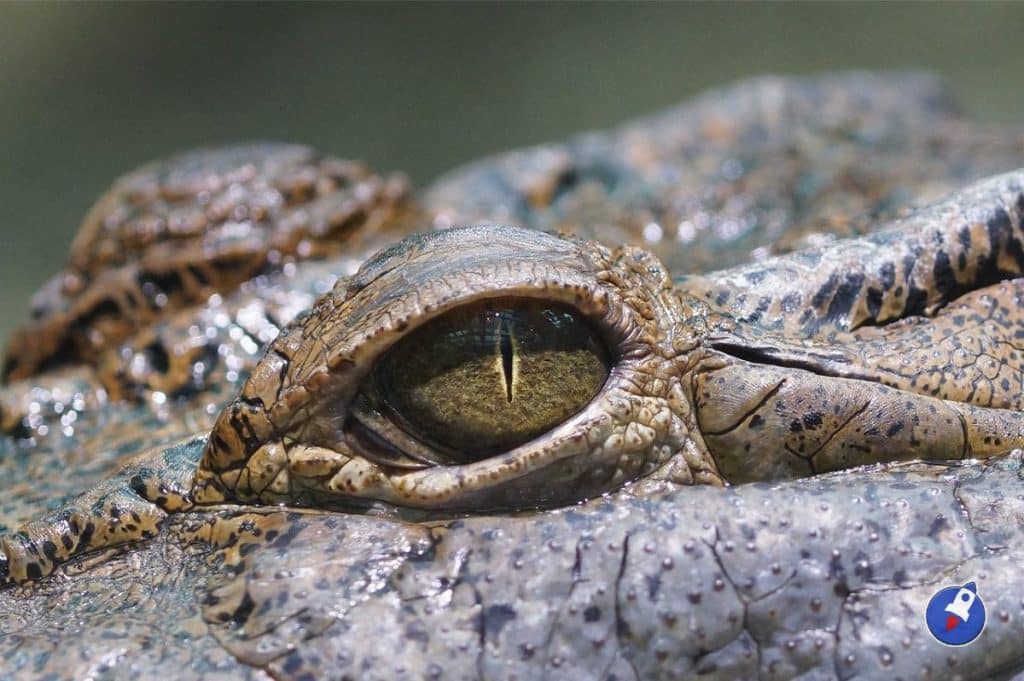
<point>898,344</point>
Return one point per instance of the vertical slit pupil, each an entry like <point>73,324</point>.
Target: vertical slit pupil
<point>505,343</point>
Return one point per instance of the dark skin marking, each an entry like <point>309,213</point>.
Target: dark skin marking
<point>917,301</point>
<point>887,275</point>
<point>791,302</point>
<point>845,296</point>
<point>495,617</point>
<point>874,302</point>
<point>825,292</point>
<point>945,279</point>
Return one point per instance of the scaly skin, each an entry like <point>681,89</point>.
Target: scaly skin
<point>891,347</point>
<point>245,211</point>
<point>694,396</point>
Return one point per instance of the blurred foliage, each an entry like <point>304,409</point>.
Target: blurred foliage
<point>90,91</point>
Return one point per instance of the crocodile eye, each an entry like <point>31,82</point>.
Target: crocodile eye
<point>483,379</point>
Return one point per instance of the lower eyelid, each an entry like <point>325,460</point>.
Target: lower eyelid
<point>385,443</point>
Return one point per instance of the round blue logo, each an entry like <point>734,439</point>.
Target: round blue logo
<point>956,615</point>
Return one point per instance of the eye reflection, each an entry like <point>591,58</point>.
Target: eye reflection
<point>486,378</point>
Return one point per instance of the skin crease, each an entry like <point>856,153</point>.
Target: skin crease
<point>587,552</point>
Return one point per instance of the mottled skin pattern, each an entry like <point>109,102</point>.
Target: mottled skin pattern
<point>898,345</point>
<point>242,212</point>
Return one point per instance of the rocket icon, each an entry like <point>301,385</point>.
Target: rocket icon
<point>960,606</point>
<point>955,614</point>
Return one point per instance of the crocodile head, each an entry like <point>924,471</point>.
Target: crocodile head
<point>475,454</point>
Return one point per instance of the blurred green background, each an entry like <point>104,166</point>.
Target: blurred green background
<point>90,91</point>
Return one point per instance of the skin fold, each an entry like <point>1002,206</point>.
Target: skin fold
<point>800,299</point>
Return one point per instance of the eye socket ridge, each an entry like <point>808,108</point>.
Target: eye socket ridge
<point>479,380</point>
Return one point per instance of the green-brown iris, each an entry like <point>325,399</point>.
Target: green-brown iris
<point>488,377</point>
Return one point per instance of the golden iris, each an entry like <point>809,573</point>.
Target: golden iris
<point>490,376</point>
